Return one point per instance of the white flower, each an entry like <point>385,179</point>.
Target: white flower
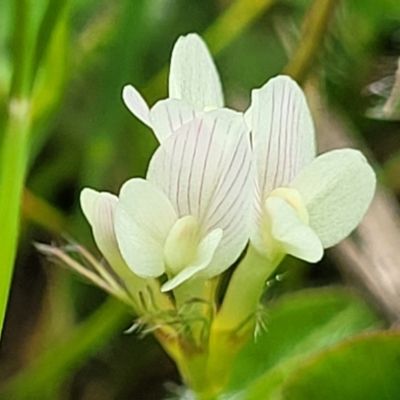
<point>190,217</point>
<point>194,87</point>
<point>303,203</point>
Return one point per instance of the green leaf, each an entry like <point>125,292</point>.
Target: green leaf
<point>363,368</point>
<point>43,376</point>
<point>53,69</point>
<point>298,326</point>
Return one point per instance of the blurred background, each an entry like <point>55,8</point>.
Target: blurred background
<point>63,338</point>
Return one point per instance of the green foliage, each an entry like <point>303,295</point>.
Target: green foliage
<point>297,327</point>
<point>71,60</point>
<point>366,367</point>
<point>49,370</point>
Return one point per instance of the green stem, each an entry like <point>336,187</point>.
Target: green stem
<point>47,27</point>
<point>313,32</point>
<point>233,22</point>
<point>22,50</point>
<point>245,288</point>
<point>234,324</point>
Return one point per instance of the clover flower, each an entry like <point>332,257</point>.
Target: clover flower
<point>303,203</point>
<point>191,215</point>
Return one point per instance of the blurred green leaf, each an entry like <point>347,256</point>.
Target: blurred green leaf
<point>298,326</point>
<point>53,71</point>
<point>42,378</point>
<point>363,368</point>
<point>106,129</point>
<point>47,26</point>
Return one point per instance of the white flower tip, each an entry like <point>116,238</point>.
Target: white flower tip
<point>314,254</point>
<point>191,39</point>
<point>170,285</point>
<point>180,278</point>
<point>87,199</point>
<point>99,208</point>
<point>282,79</point>
<point>136,104</point>
<point>279,83</point>
<point>193,74</point>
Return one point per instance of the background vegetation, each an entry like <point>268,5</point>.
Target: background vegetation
<point>62,338</point>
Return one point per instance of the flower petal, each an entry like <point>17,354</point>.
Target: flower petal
<point>337,189</point>
<point>87,199</point>
<point>205,170</point>
<point>193,76</point>
<point>136,104</point>
<point>283,133</point>
<point>169,115</point>
<point>205,254</point>
<point>295,237</point>
<point>99,208</point>
<point>143,219</point>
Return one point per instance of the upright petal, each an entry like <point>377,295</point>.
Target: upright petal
<point>169,115</point>
<point>337,189</point>
<point>193,76</point>
<point>143,219</point>
<point>136,104</point>
<point>283,133</point>
<point>205,170</point>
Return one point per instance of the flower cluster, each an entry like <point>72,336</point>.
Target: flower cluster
<point>221,184</point>
<point>219,181</point>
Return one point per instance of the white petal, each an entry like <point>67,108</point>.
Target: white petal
<point>99,210</point>
<point>337,189</point>
<point>169,115</point>
<point>283,133</point>
<point>205,170</point>
<point>248,117</point>
<point>295,237</point>
<point>143,219</point>
<point>136,104</point>
<point>87,199</point>
<point>193,76</point>
<point>205,254</point>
